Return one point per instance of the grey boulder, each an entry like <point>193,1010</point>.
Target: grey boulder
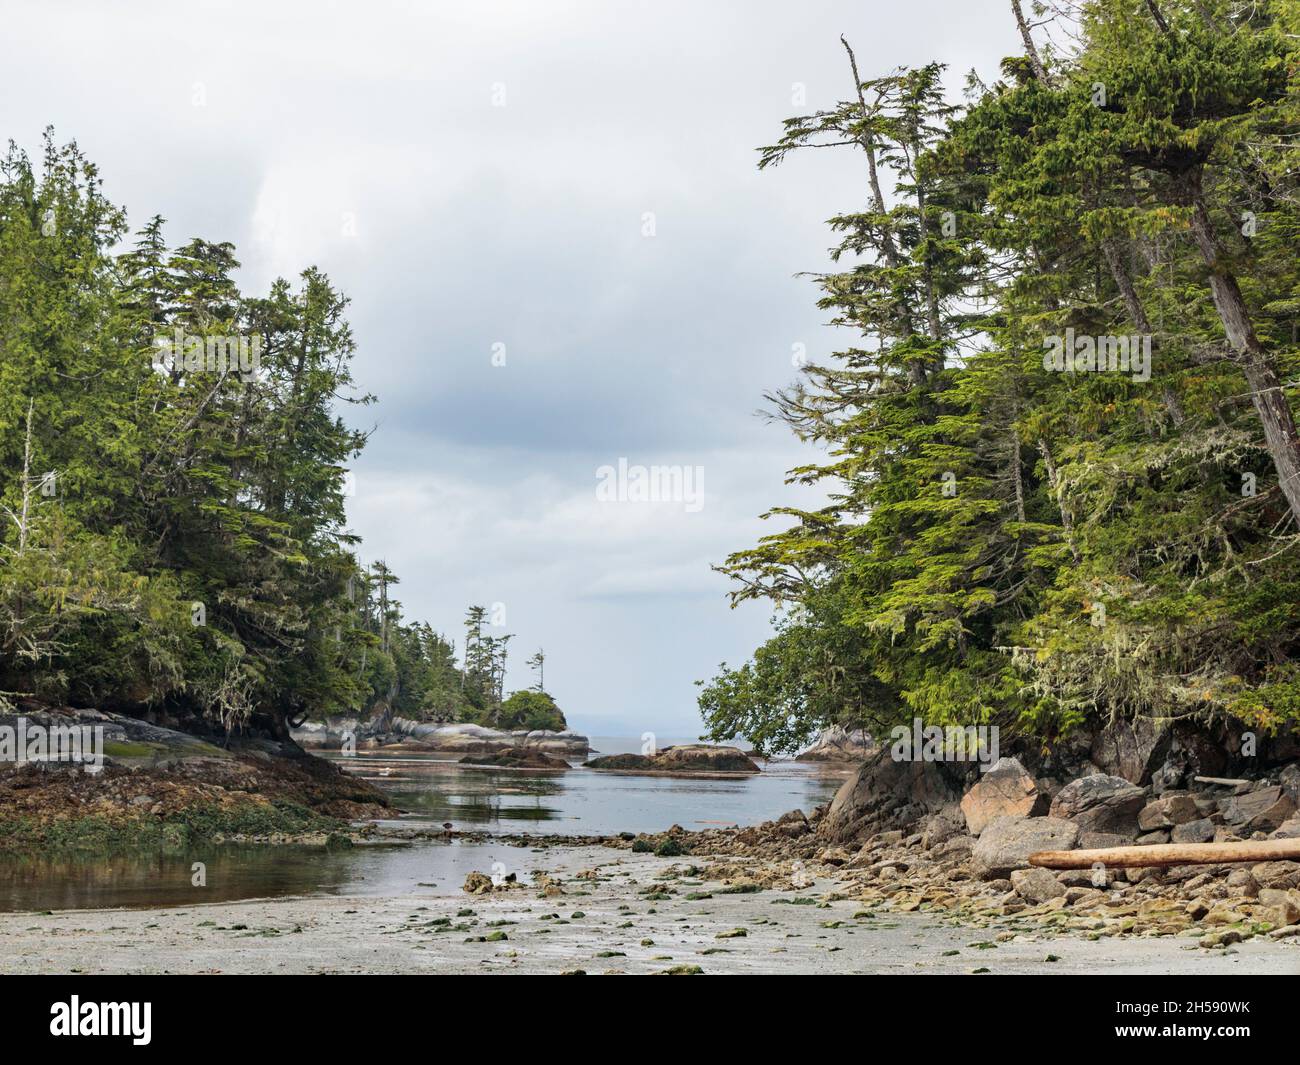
<point>1007,842</point>
<point>1101,803</point>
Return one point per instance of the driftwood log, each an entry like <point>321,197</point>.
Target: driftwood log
<point>1270,850</point>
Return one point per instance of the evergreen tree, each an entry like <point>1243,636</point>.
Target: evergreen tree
<point>1005,542</point>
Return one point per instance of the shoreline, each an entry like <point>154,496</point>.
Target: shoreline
<point>597,910</point>
<point>784,895</point>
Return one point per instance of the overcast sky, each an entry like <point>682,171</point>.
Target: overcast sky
<point>476,174</point>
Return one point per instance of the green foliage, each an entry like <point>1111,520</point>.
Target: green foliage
<point>172,520</point>
<point>172,533</point>
<point>531,710</point>
<point>1009,544</point>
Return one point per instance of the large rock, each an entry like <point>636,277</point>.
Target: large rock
<point>1261,810</point>
<point>329,734</point>
<point>1172,808</point>
<point>1132,749</point>
<point>1290,781</point>
<point>1006,790</point>
<point>886,794</point>
<point>839,745</point>
<point>1101,803</point>
<point>90,737</point>
<point>1006,843</point>
<point>1281,875</point>
<point>689,757</point>
<point>461,738</point>
<point>1191,752</point>
<point>1289,829</point>
<point>1036,885</point>
<point>312,735</point>
<point>939,828</point>
<point>1199,831</point>
<point>1280,907</point>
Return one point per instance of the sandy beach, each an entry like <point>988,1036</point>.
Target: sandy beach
<point>602,923</point>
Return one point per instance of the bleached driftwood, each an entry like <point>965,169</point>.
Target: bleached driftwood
<point>1269,850</point>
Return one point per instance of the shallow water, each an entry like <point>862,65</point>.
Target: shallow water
<point>586,802</point>
<point>429,790</point>
<point>149,879</point>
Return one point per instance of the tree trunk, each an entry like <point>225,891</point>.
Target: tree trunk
<point>1016,479</point>
<point>1031,50</point>
<point>1266,393</point>
<point>892,257</point>
<point>1111,249</point>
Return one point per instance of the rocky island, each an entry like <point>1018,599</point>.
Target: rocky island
<point>684,759</point>
<point>436,737</point>
<point>838,744</point>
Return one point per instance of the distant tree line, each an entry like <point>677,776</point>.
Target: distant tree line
<point>173,469</point>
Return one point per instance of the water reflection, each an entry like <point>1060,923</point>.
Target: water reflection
<point>431,790</point>
<point>165,879</point>
<point>586,802</point>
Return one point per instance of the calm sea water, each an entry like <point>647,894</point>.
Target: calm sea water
<point>429,790</point>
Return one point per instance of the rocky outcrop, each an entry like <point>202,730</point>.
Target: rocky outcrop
<point>684,758</point>
<point>1190,753</point>
<point>1006,790</point>
<point>1168,756</point>
<point>156,785</point>
<point>121,740</point>
<point>886,794</point>
<point>1105,810</point>
<point>892,873</point>
<point>1133,750</point>
<point>839,745</point>
<point>475,739</point>
<point>462,738</point>
<point>1153,796</point>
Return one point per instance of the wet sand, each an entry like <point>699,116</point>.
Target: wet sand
<point>601,924</point>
